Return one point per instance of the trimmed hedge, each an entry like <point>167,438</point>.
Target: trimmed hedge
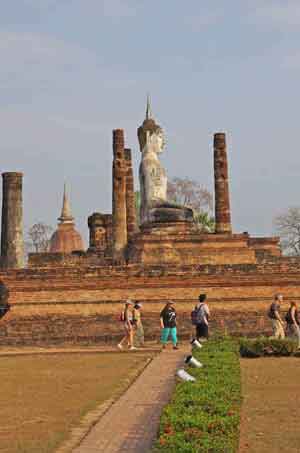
<point>264,346</point>
<point>204,416</point>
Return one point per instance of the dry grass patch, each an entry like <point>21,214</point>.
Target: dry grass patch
<point>44,397</point>
<point>271,405</point>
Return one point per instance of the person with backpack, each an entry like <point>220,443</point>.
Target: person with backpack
<point>293,322</point>
<point>274,315</point>
<point>168,324</point>
<point>200,317</point>
<point>126,318</point>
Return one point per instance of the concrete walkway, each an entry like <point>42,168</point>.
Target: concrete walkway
<point>131,424</point>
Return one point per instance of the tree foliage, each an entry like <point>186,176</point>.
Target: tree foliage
<point>190,193</point>
<point>39,236</point>
<point>287,225</point>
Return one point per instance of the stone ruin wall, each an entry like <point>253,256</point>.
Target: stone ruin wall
<point>76,298</point>
<point>81,305</point>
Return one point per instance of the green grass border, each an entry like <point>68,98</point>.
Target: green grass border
<point>204,416</point>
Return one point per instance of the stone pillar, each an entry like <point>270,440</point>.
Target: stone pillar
<point>130,197</point>
<point>119,197</point>
<point>12,245</point>
<point>222,204</point>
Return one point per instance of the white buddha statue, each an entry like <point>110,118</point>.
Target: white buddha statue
<point>153,178</point>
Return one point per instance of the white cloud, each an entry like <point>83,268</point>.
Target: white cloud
<point>278,14</point>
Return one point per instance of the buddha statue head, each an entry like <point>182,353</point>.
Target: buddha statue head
<point>150,133</point>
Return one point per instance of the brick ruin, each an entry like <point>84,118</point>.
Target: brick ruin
<point>76,297</point>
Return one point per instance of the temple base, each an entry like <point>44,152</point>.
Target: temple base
<point>181,243</point>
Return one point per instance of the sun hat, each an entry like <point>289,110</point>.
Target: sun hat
<point>128,302</point>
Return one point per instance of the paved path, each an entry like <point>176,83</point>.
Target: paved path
<point>131,424</point>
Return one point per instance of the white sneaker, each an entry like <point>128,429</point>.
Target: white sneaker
<point>133,348</point>
<point>120,346</point>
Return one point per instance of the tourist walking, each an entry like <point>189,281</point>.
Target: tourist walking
<point>292,321</point>
<point>168,324</point>
<point>127,319</point>
<point>200,317</point>
<point>274,315</point>
<point>138,326</point>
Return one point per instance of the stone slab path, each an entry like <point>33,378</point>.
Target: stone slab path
<point>130,425</point>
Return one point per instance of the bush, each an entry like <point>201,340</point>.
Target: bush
<point>263,346</point>
<point>204,416</point>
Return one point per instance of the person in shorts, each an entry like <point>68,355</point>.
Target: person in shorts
<point>201,318</point>
<point>168,324</point>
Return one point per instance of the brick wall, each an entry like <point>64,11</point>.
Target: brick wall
<point>78,305</point>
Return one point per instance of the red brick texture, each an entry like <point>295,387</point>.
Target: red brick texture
<point>82,304</point>
<point>222,203</point>
<point>119,173</point>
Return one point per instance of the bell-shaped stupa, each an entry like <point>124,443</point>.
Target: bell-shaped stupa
<point>66,239</point>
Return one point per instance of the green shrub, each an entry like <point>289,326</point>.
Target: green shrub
<point>264,346</point>
<point>204,416</point>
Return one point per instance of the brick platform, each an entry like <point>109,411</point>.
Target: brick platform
<point>81,305</point>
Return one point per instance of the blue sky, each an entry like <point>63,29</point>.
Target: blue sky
<point>73,70</point>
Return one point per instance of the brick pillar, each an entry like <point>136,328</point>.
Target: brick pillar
<point>12,245</point>
<point>119,197</point>
<point>222,204</point>
<point>130,197</point>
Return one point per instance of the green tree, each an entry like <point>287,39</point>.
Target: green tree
<point>205,222</point>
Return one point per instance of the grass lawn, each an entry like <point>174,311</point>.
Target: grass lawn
<point>44,396</point>
<point>203,416</point>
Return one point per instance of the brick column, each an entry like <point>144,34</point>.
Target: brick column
<point>222,204</point>
<point>119,196</point>
<point>12,245</point>
<point>130,197</point>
